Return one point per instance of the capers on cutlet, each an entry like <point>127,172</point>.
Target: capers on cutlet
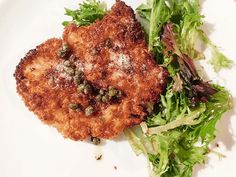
<point>73,106</point>
<point>89,111</point>
<point>63,51</point>
<point>95,140</point>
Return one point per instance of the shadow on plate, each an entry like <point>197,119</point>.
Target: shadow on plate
<point>120,138</point>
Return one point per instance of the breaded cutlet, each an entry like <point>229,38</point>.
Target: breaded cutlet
<point>96,81</point>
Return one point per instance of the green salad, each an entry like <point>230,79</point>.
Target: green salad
<point>177,134</point>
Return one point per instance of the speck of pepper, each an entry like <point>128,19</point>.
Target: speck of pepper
<point>108,43</point>
<point>32,69</point>
<point>217,145</point>
<point>98,157</point>
<point>95,51</point>
<point>115,167</point>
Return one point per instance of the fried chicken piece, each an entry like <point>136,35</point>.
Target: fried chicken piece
<point>103,80</point>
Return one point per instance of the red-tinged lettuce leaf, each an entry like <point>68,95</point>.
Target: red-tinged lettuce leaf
<point>196,89</point>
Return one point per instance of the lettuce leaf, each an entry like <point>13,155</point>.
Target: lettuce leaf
<point>175,151</point>
<point>160,14</point>
<point>219,60</point>
<point>196,89</point>
<point>186,17</point>
<point>179,132</point>
<point>88,12</point>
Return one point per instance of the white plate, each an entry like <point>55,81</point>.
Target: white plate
<point>30,149</point>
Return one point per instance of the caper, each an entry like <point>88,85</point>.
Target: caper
<point>105,99</point>
<point>119,94</point>
<point>73,106</point>
<point>65,46</point>
<point>77,80</point>
<point>67,63</point>
<point>78,77</point>
<point>63,51</point>
<point>80,88</point>
<point>87,89</point>
<point>101,91</point>
<point>95,140</point>
<point>112,92</point>
<point>89,111</point>
<point>99,98</point>
<point>79,73</point>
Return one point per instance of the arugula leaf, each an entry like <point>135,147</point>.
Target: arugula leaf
<point>89,11</point>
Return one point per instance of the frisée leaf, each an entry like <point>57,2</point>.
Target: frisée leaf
<point>89,11</point>
<point>176,149</point>
<point>183,123</point>
<point>185,16</point>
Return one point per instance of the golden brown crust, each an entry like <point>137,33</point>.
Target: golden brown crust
<point>110,52</point>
